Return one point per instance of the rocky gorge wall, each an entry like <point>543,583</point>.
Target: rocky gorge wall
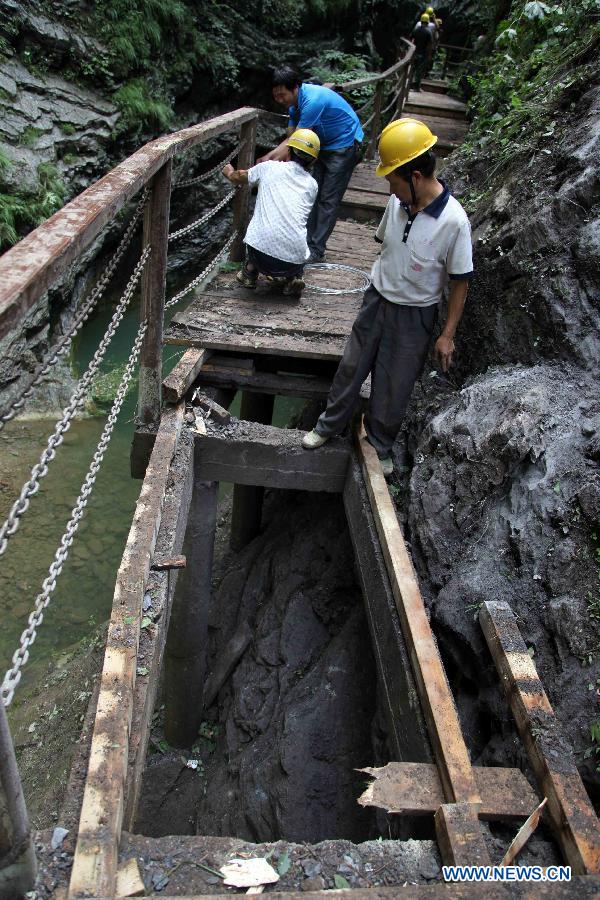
<point>503,500</point>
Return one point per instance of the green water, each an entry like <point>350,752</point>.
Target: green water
<point>84,591</point>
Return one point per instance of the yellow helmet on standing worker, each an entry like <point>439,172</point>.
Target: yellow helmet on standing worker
<point>429,10</point>
<point>401,141</point>
<point>306,141</point>
<point>425,18</point>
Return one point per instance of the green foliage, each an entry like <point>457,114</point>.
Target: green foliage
<point>593,751</point>
<point>67,128</point>
<point>336,66</point>
<point>21,210</point>
<point>533,68</point>
<point>140,109</point>
<point>29,137</point>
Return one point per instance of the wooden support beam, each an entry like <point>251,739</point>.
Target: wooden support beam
<point>18,865</point>
<point>436,697</point>
<point>575,823</point>
<point>459,835</point>
<point>159,590</point>
<point>265,382</point>
<point>415,789</point>
<point>154,278</point>
<point>256,454</point>
<point>187,640</point>
<point>182,376</point>
<point>407,732</point>
<point>246,512</point>
<point>95,863</point>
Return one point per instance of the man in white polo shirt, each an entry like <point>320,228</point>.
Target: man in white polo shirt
<point>426,240</point>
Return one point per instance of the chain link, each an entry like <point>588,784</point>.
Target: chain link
<point>203,273</point>
<point>62,346</point>
<point>206,175</point>
<point>38,472</point>
<point>21,655</point>
<point>194,225</point>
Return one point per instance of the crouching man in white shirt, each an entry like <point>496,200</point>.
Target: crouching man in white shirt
<point>426,240</point>
<point>276,243</point>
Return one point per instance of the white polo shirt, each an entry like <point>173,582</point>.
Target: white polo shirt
<point>286,194</point>
<point>420,253</point>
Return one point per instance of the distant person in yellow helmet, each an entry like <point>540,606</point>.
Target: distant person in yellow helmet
<point>426,247</point>
<point>276,244</point>
<point>422,38</point>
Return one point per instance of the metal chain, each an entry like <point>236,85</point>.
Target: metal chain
<point>40,470</point>
<point>203,273</point>
<point>61,347</point>
<point>194,225</point>
<point>21,655</point>
<point>206,175</point>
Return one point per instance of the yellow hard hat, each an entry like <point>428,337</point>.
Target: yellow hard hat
<point>425,18</point>
<point>305,140</point>
<point>401,141</point>
<point>429,10</point>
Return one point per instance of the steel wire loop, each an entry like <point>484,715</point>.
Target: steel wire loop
<point>366,280</point>
<point>205,218</point>
<point>21,655</point>
<point>203,273</point>
<point>63,344</point>
<point>206,175</point>
<point>40,470</point>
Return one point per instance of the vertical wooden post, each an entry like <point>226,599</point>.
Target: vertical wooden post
<point>376,120</point>
<point>156,234</point>
<point>401,90</point>
<point>18,865</point>
<point>186,648</point>
<point>241,200</point>
<point>246,512</point>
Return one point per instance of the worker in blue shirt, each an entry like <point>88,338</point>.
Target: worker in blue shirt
<point>338,128</point>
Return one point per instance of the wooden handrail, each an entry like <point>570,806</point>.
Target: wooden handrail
<point>32,266</point>
<point>373,79</point>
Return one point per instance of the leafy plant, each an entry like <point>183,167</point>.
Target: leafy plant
<point>22,209</point>
<point>139,109</point>
<point>593,751</point>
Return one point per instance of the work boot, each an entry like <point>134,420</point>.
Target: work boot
<point>315,257</point>
<point>293,287</point>
<point>387,466</point>
<point>247,277</point>
<point>312,440</point>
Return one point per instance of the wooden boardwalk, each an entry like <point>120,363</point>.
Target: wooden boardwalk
<point>227,317</point>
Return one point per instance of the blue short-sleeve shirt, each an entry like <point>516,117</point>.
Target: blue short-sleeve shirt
<point>327,114</point>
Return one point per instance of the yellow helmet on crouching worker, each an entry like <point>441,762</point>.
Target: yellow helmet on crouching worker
<point>401,141</point>
<point>306,141</point>
<point>425,18</point>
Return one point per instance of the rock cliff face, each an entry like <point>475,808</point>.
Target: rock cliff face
<point>504,495</point>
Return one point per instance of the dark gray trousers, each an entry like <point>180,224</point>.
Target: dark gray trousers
<point>332,172</point>
<point>391,342</point>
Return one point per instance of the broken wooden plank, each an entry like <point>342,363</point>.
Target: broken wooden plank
<point>181,378</point>
<point>160,590</point>
<point>171,562</point>
<point>407,732</point>
<point>412,788</point>
<point>312,388</point>
<point>95,862</point>
<point>129,880</point>
<point>262,455</point>
<point>575,823</point>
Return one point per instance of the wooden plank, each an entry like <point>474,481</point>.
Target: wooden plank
<point>95,862</point>
<point>266,382</point>
<point>406,728</point>
<point>250,453</point>
<point>329,349</point>
<point>459,835</point>
<point>32,266</point>
<point>434,691</point>
<point>161,587</point>
<point>182,376</point>
<point>438,704</point>
<point>572,814</point>
<point>411,788</point>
